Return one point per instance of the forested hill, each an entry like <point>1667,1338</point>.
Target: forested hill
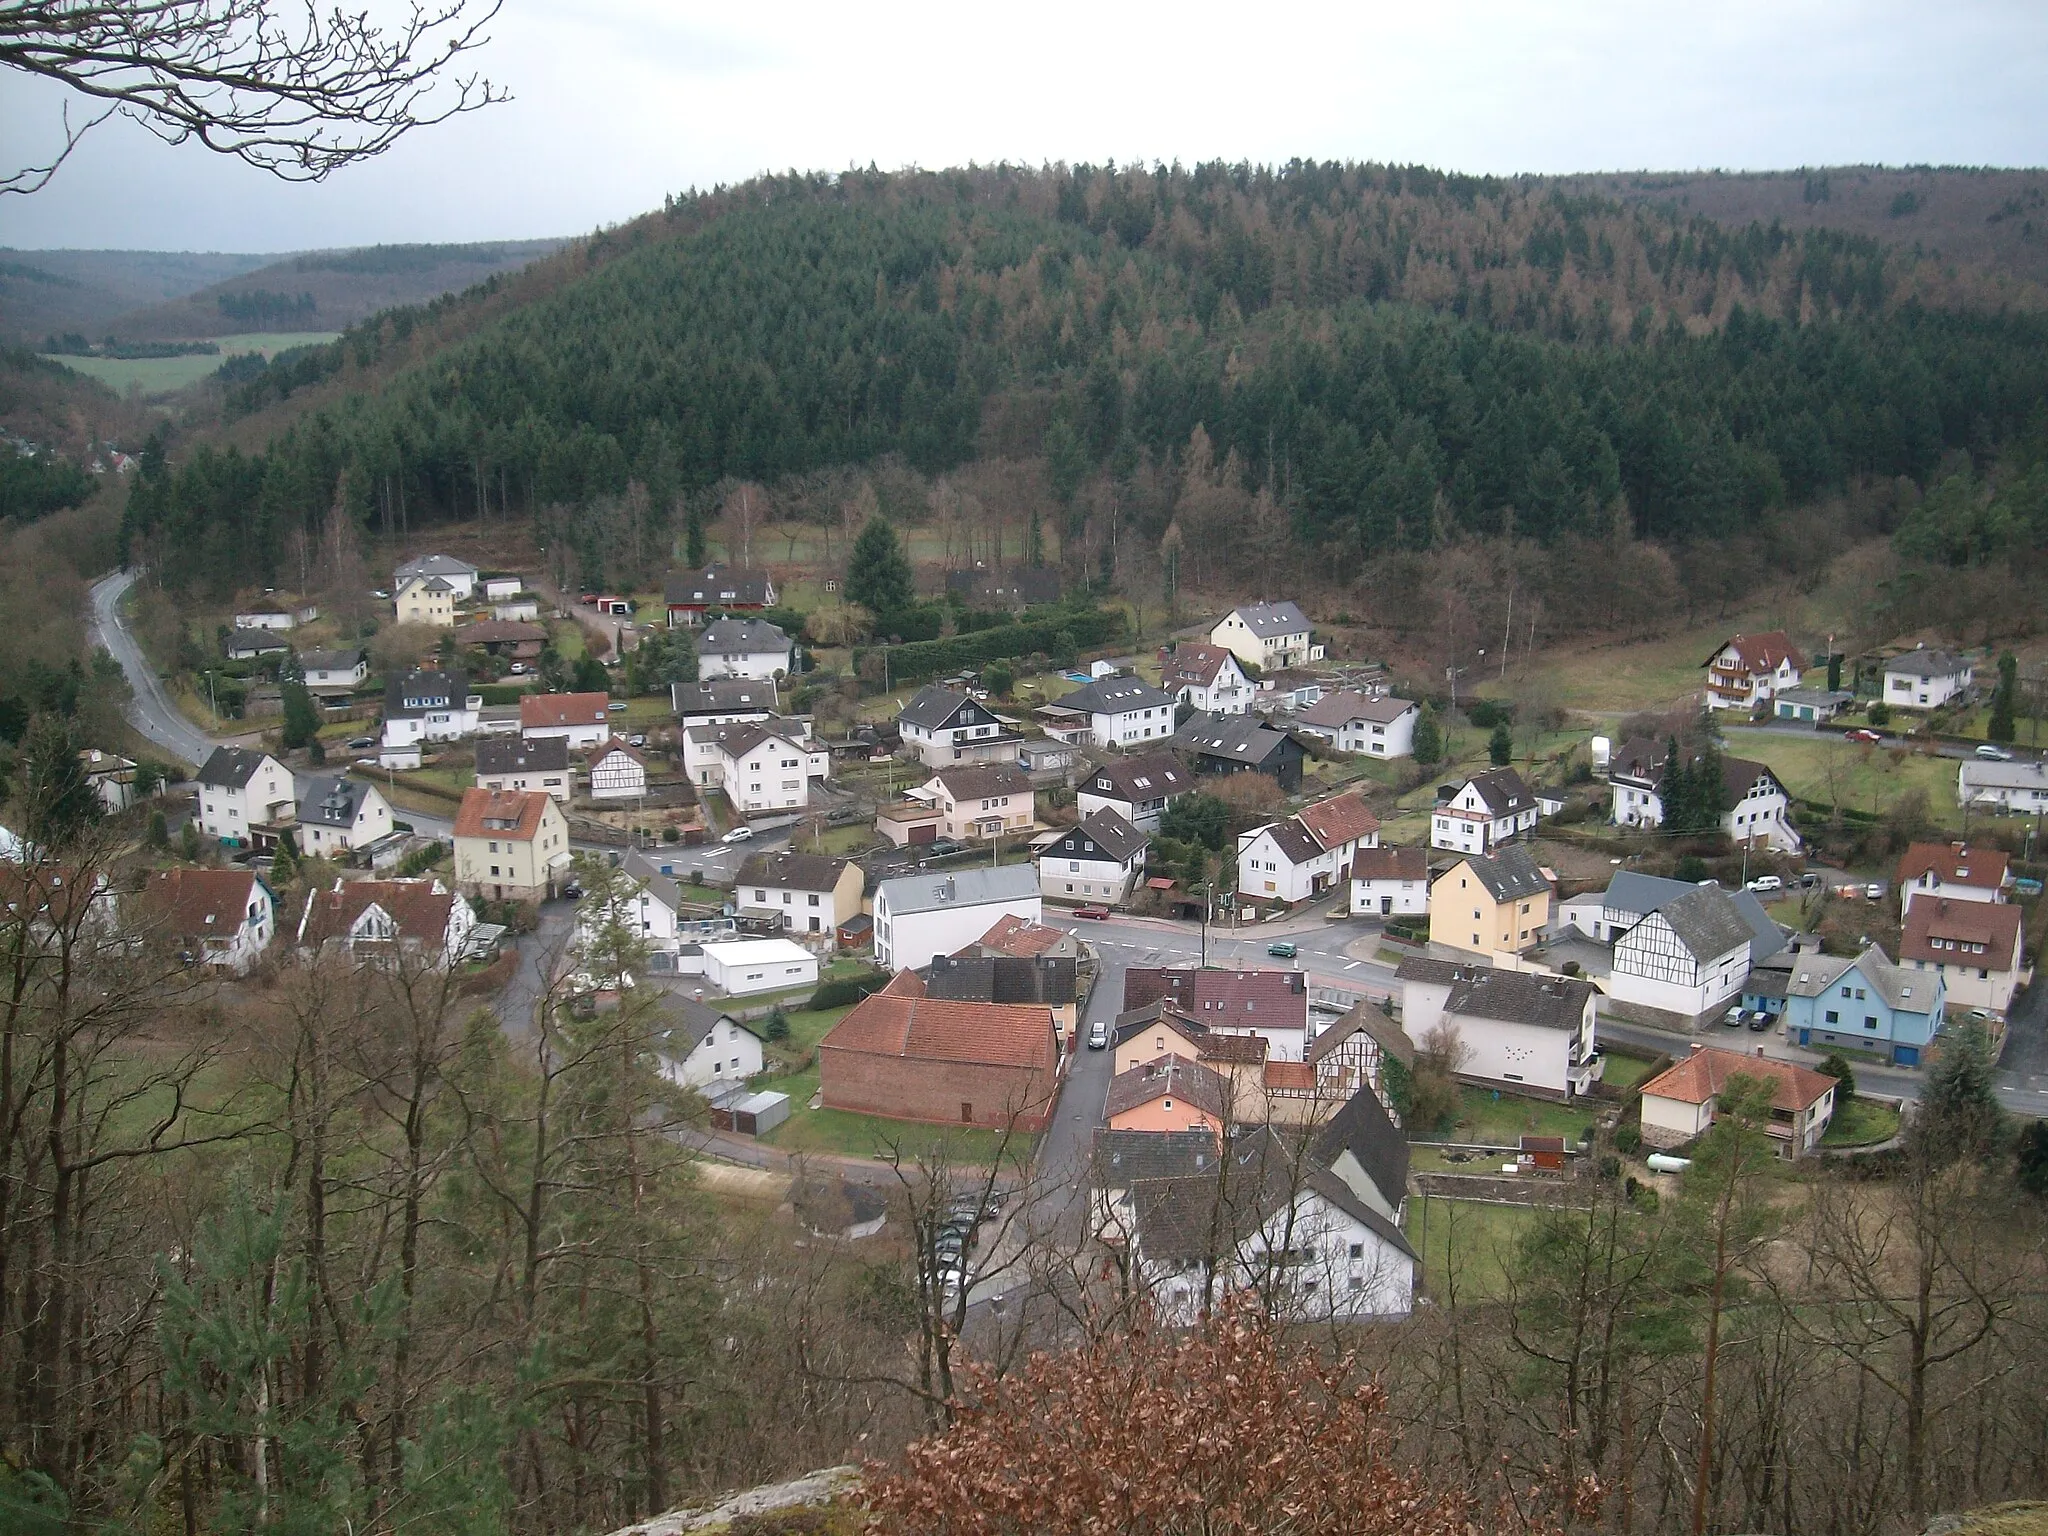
<point>1394,356</point>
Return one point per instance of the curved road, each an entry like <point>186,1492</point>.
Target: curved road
<point>150,711</point>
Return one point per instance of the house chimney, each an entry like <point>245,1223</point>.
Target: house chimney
<point>1696,1048</point>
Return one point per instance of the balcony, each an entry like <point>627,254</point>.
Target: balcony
<point>1582,1072</point>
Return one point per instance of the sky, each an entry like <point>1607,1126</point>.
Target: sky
<point>617,102</point>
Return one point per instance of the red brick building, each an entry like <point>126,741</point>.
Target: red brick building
<point>906,1056</point>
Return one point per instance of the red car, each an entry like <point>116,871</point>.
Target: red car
<point>1870,737</point>
<point>1099,914</point>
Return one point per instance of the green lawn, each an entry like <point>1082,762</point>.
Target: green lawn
<point>1860,1122</point>
<point>1473,1240</point>
<point>850,1135</point>
<point>1826,769</point>
<point>1623,1072</point>
<point>161,375</point>
<point>1492,1118</point>
<point>806,1029</point>
<point>567,636</point>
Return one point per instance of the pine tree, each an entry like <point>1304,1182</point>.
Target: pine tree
<point>1674,789</point>
<point>301,717</point>
<point>1960,1117</point>
<point>1429,739</point>
<point>693,537</point>
<point>2003,701</point>
<point>878,576</point>
<point>1500,746</point>
<point>1708,790</point>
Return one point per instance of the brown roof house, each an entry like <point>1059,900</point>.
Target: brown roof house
<point>580,719</point>
<point>905,1056</point>
<point>1975,946</point>
<point>216,917</point>
<point>1680,1102</point>
<point>386,922</point>
<point>1952,872</point>
<point>1748,669</point>
<point>510,845</point>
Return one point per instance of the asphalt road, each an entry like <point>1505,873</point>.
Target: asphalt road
<point>150,710</point>
<point>2023,1070</point>
<point>1734,733</point>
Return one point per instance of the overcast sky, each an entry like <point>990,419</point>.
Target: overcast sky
<point>620,101</point>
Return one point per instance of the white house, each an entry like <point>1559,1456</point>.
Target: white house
<point>112,777</point>
<point>511,762</point>
<point>702,1046</point>
<point>271,618</point>
<point>579,719</point>
<point>498,588</point>
<point>1138,789</point>
<point>1952,872</point>
<point>1300,858</point>
<point>1389,882</point>
<point>1266,636</point>
<point>723,701</point>
<point>983,800</point>
<point>1758,807</point>
<point>1097,861</point>
<point>240,789</point>
<point>763,766</point>
<point>919,916</point>
<point>737,967</point>
<point>808,892</point>
<point>460,575</point>
<point>373,919</point>
<point>1351,722</point>
<point>1687,956</point>
<point>617,772</point>
<point>744,648</point>
<point>1485,811</point>
<point>690,596</point>
<point>1977,947</point>
<point>428,705</point>
<point>339,671</point>
<point>1924,679</point>
<point>2004,787</point>
<point>253,644</point>
<point>944,727</point>
<point>425,600</point>
<point>1680,1103</point>
<point>1522,1031</point>
<point>339,815</point>
<point>1749,669</point>
<point>1122,711</point>
<point>223,918</point>
<point>1208,678</point>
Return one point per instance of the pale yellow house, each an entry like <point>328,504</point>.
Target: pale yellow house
<point>511,845</point>
<point>426,600</point>
<point>983,800</point>
<point>1490,905</point>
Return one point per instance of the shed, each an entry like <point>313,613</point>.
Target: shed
<point>1543,1151</point>
<point>750,1114</point>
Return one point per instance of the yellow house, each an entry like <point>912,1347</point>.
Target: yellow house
<point>511,845</point>
<point>1497,905</point>
<point>426,600</point>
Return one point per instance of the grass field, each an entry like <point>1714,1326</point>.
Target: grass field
<point>1645,674</point>
<point>806,1029</point>
<point>1828,770</point>
<point>1623,1072</point>
<point>1464,1238</point>
<point>1859,1123</point>
<point>850,1135</point>
<point>1501,1120</point>
<point>161,375</point>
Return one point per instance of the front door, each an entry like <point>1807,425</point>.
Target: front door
<point>1386,906</point>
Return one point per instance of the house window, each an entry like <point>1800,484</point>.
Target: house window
<point>1869,1021</point>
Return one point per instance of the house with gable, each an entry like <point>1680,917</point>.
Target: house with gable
<point>1688,956</point>
<point>1680,1103</point>
<point>699,1046</point>
<point>334,671</point>
<point>1747,670</point>
<point>1485,811</point>
<point>1098,860</point>
<point>1168,1093</point>
<point>510,845</point>
<point>1867,1003</point>
<point>1206,678</point>
<point>339,816</point>
<point>945,727</point>
<point>690,595</point>
<point>907,1056</point>
<point>919,916</point>
<point>808,892</point>
<point>1757,806</point>
<point>751,648</point>
<point>1389,882</point>
<point>1272,1005</point>
<point>1952,872</point>
<point>428,705</point>
<point>1266,636</point>
<point>513,762</point>
<point>579,719</point>
<point>385,922</point>
<point>1497,905</point>
<point>1926,679</point>
<point>1122,711</point>
<point>1978,948</point>
<point>1524,1031</point>
<point>220,918</point>
<point>763,766</point>
<point>459,575</point>
<point>1139,789</point>
<point>618,771</point>
<point>2006,788</point>
<point>723,700</point>
<point>1309,853</point>
<point>425,600</point>
<point>241,789</point>
<point>1381,726</point>
<point>979,801</point>
<point>1223,745</point>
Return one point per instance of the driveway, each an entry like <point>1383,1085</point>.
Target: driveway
<point>150,710</point>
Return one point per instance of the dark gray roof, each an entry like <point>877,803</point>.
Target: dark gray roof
<point>1102,833</point>
<point>1154,776</point>
<point>690,1021</point>
<point>960,888</point>
<point>1641,894</point>
<point>1343,706</point>
<point>1927,663</point>
<point>1706,922</point>
<point>330,801</point>
<point>1502,791</point>
<point>424,689</point>
<point>637,866</point>
<point>1268,619</point>
<point>1168,1077</point>
<point>789,870</point>
<point>709,587</point>
<point>1365,1130</point>
<point>725,695</point>
<point>330,661</point>
<point>1239,738</point>
<point>1124,1158</point>
<point>1115,696</point>
<point>741,637</point>
<point>259,640</point>
<point>1294,841</point>
<point>230,767</point>
<point>1510,874</point>
<point>1519,997</point>
<point>933,708</point>
<point>435,565</point>
<point>1051,980</point>
<point>513,754</point>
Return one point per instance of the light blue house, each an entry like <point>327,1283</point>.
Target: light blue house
<point>1866,1004</point>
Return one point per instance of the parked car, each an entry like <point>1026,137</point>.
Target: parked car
<point>1097,914</point>
<point>1766,883</point>
<point>1875,891</point>
<point>738,835</point>
<point>1098,1034</point>
<point>518,669</point>
<point>943,847</point>
<point>637,739</point>
<point>1732,1019</point>
<point>616,706</point>
<point>1871,738</point>
<point>1759,1021</point>
<point>1992,754</point>
<point>1281,949</point>
<point>362,743</point>
<point>588,599</point>
<point>572,892</point>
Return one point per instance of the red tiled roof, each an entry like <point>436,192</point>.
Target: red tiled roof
<point>1290,1077</point>
<point>1192,663</point>
<point>560,709</point>
<point>898,1023</point>
<point>1761,653</point>
<point>1340,819</point>
<point>200,903</point>
<point>1994,925</point>
<point>420,912</point>
<point>513,814</point>
<point>1162,1077</point>
<point>1019,937</point>
<point>1390,864</point>
<point>1956,864</point>
<point>1222,999</point>
<point>1704,1073</point>
<point>53,891</point>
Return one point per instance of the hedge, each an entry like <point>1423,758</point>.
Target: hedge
<point>847,989</point>
<point>501,693</point>
<point>930,658</point>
